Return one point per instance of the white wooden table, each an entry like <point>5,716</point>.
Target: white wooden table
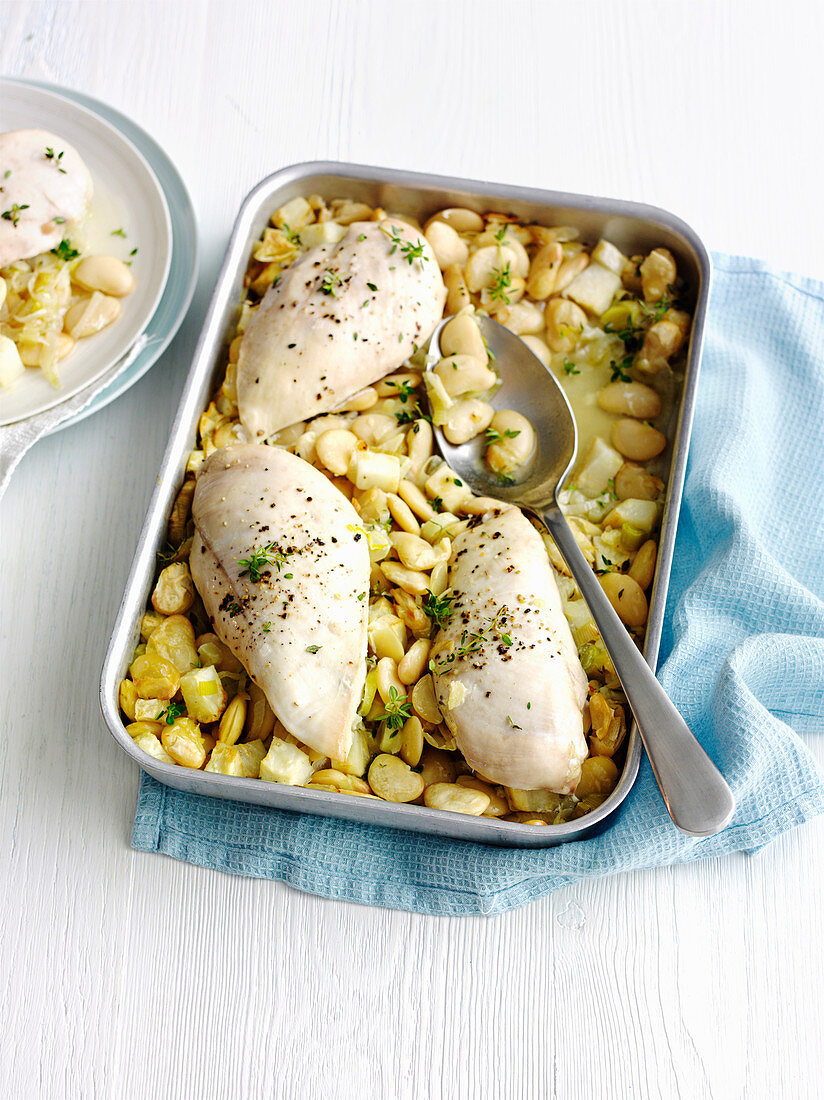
<point>130,975</point>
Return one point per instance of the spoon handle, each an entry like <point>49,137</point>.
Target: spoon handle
<point>696,795</point>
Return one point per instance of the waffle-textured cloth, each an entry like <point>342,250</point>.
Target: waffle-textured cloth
<point>742,653</point>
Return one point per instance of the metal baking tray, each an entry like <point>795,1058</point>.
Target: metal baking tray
<point>633,228</point>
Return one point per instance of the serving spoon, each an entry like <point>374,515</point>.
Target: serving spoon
<point>697,797</point>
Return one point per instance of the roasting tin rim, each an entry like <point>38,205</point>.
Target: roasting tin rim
<point>182,437</point>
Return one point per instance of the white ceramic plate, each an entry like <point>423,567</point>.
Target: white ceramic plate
<point>127,196</point>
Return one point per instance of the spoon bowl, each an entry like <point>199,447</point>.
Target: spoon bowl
<point>697,797</point>
<point>531,389</point>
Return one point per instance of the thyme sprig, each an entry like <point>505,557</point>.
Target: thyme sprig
<point>438,608</point>
<point>330,283</point>
<point>172,711</point>
<point>396,711</point>
<point>472,641</point>
<point>409,251</point>
<point>409,416</point>
<point>494,436</point>
<point>619,370</point>
<point>13,215</point>
<point>254,565</point>
<point>501,284</point>
<point>64,251</point>
<point>55,158</point>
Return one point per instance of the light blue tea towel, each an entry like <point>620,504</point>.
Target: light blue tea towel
<point>742,653</point>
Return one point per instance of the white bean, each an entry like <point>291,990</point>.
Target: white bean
<point>521,318</point>
<point>402,514</point>
<point>467,419</point>
<point>461,800</point>
<point>395,383</point>
<point>464,374</point>
<point>419,440</point>
<point>410,580</point>
<point>417,553</point>
<point>424,702</point>
<point>387,680</point>
<point>630,399</point>
<point>627,597</point>
<point>358,402</point>
<point>104,273</point>
<point>409,492</point>
<point>564,324</point>
<point>334,449</point>
<point>446,244</point>
<point>373,427</point>
<point>438,578</point>
<point>462,336</point>
<point>636,440</point>
<point>413,664</point>
<point>538,347</point>
<point>457,295</point>
<point>459,218</point>
<point>515,442</point>
<point>486,264</point>
<point>633,482</point>
<point>543,271</point>
<point>642,569</point>
<point>90,315</point>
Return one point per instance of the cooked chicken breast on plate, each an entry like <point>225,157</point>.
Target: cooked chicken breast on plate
<point>506,671</point>
<point>283,568</point>
<point>340,317</point>
<point>44,185</point>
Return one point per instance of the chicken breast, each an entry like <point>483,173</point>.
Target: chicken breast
<point>283,570</point>
<point>506,671</point>
<point>340,317</point>
<point>44,185</point>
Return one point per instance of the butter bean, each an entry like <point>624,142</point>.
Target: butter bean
<point>460,800</point>
<point>642,569</point>
<point>334,449</point>
<point>522,318</point>
<point>387,680</point>
<point>393,780</point>
<point>462,336</point>
<point>457,294</point>
<point>543,271</point>
<point>464,374</point>
<point>459,218</point>
<point>564,324</point>
<point>627,597</point>
<point>467,418</point>
<point>515,443</point>
<point>412,496</point>
<point>498,805</point>
<point>630,399</point>
<point>104,273</point>
<point>91,315</point>
<point>486,264</point>
<point>448,247</point>
<point>633,482</point>
<point>413,664</point>
<point>437,766</point>
<point>424,702</point>
<point>636,440</point>
<point>412,741</point>
<point>402,513</point>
